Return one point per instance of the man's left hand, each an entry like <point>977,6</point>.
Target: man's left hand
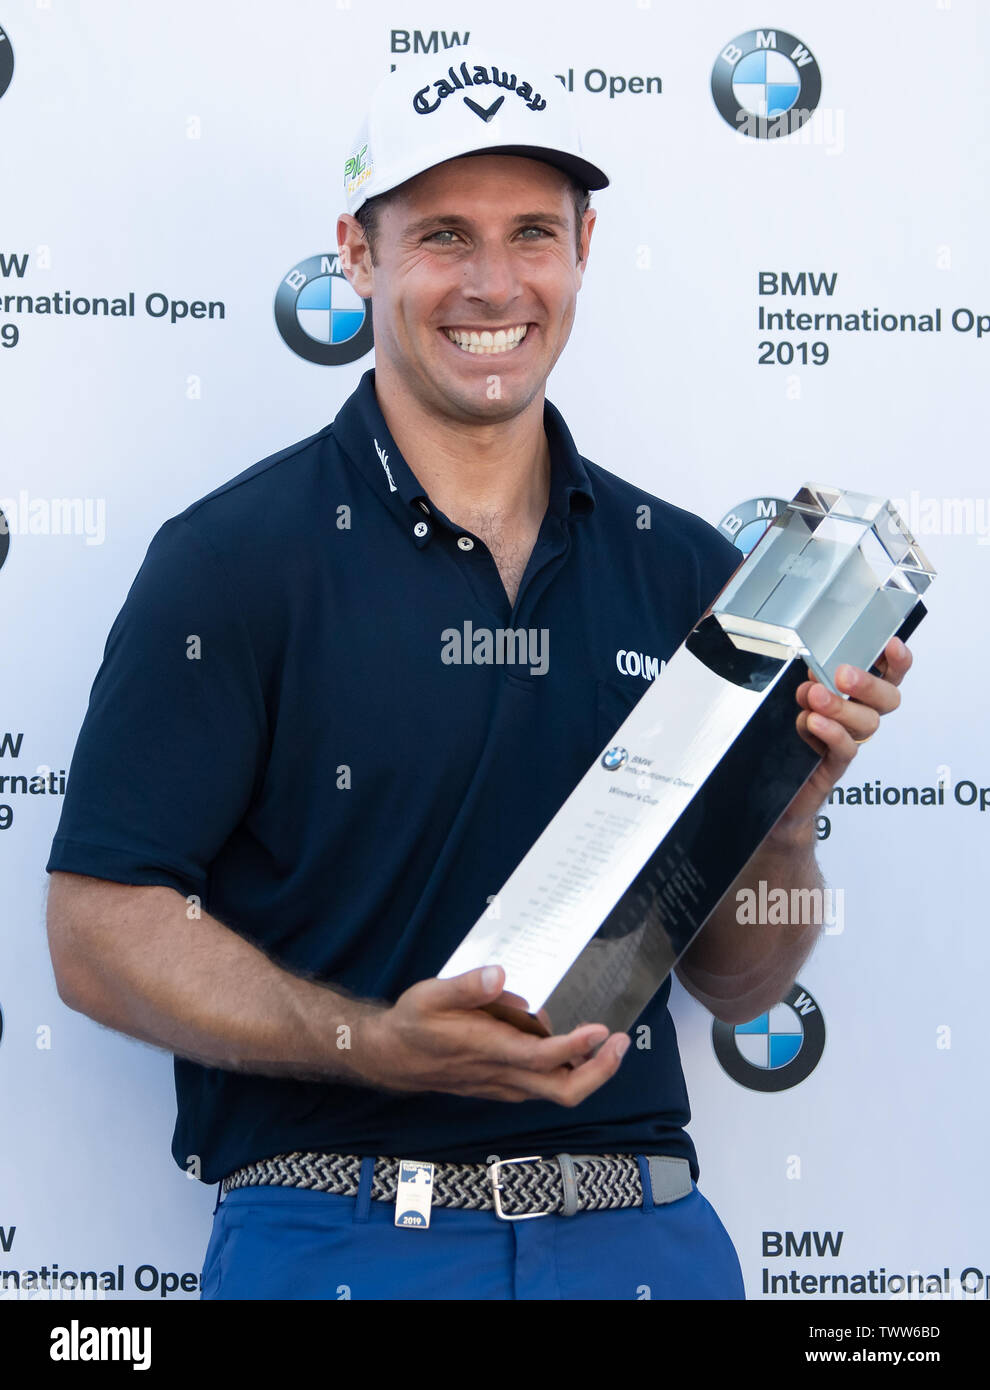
<point>835,728</point>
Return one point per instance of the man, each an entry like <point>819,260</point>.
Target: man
<point>293,795</point>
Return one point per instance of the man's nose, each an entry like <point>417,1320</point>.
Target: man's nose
<point>490,275</point>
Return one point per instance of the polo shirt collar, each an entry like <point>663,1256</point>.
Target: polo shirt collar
<point>360,429</point>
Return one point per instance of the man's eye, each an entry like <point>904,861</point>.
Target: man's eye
<point>446,236</point>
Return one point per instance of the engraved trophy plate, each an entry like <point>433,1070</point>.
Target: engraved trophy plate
<point>613,892</point>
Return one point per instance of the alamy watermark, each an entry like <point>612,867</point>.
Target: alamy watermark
<point>47,1286</point>
<point>501,646</point>
<point>54,516</point>
<point>790,907</point>
<point>796,127</point>
<point>945,516</point>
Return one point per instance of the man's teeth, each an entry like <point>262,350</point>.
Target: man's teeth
<point>502,340</point>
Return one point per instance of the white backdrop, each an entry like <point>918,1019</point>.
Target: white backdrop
<point>193,151</point>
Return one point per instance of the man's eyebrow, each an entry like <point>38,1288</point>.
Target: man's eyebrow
<point>454,219</point>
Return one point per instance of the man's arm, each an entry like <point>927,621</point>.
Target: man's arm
<point>739,970</point>
<point>131,958</point>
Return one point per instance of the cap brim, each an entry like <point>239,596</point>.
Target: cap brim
<point>583,170</point>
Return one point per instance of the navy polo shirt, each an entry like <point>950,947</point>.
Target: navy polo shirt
<point>281,726</point>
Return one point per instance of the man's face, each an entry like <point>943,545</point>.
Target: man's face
<point>484,244</point>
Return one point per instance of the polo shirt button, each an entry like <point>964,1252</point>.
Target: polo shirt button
<point>465,542</point>
<point>424,508</point>
<point>421,529</point>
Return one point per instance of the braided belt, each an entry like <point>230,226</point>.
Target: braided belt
<point>513,1188</point>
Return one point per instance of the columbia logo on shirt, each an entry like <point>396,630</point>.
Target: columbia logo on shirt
<point>639,664</point>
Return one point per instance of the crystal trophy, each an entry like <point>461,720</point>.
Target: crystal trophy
<point>612,893</point>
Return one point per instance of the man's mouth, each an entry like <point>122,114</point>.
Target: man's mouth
<point>485,341</point>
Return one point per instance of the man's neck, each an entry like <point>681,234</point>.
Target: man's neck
<point>491,478</point>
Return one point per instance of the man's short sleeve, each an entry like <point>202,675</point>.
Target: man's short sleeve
<point>174,741</point>
<point>718,560</point>
<point>725,562</point>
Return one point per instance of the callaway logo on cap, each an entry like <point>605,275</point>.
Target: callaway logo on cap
<point>425,113</point>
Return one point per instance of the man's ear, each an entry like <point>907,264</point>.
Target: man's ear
<point>586,230</point>
<point>355,255</point>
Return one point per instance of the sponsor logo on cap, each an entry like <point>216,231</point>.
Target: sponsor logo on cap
<point>429,98</point>
<point>357,171</point>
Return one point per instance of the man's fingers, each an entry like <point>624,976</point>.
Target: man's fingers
<point>877,692</point>
<point>509,1045</point>
<point>836,739</point>
<point>485,1055</point>
<point>864,691</point>
<point>861,720</point>
<point>549,1054</point>
<point>840,725</point>
<point>570,1086</point>
<point>472,990</point>
<point>896,660</point>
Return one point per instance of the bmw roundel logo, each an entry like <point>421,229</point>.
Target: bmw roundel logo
<point>766,83</point>
<point>776,1050</point>
<point>4,537</point>
<point>320,316</point>
<point>613,758</point>
<point>747,523</point>
<point>6,62</point>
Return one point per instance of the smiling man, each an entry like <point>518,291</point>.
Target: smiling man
<point>474,300</point>
<point>294,791</point>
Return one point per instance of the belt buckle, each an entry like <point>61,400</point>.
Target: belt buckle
<point>497,1187</point>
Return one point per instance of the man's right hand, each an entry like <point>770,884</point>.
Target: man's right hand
<point>130,957</point>
<point>438,1037</point>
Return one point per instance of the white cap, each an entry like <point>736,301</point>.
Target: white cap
<point>464,101</point>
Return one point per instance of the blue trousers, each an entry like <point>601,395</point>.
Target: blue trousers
<point>291,1243</point>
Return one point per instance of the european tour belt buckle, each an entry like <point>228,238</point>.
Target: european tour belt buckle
<point>497,1187</point>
